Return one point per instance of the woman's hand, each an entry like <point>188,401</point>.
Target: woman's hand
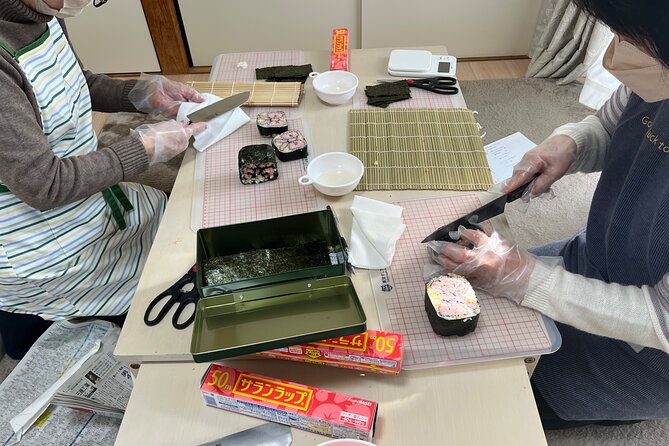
<point>161,96</point>
<point>494,264</point>
<point>550,160</point>
<point>165,140</point>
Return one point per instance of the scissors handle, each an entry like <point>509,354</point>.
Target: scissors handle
<point>186,301</point>
<point>167,306</point>
<point>439,85</point>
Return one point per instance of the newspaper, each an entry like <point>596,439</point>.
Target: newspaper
<point>70,365</point>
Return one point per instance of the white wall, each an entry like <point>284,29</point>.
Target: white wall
<point>113,38</point>
<point>468,28</point>
<point>214,27</point>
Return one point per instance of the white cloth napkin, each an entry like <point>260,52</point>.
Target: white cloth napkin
<point>376,228</point>
<point>217,128</point>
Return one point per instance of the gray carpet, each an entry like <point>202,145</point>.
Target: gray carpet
<point>535,107</point>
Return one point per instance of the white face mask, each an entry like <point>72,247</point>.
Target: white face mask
<point>643,74</point>
<point>71,8</point>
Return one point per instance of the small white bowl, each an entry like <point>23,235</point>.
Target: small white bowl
<point>334,87</point>
<point>334,174</point>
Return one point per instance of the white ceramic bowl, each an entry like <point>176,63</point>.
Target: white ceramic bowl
<point>334,87</point>
<point>334,173</point>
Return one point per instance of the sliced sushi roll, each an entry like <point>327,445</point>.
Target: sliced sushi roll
<point>290,145</point>
<point>271,123</point>
<point>451,305</point>
<point>257,164</point>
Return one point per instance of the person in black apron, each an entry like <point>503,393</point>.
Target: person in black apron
<point>607,287</point>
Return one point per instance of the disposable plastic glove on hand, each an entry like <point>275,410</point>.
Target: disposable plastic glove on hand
<point>165,140</point>
<point>495,265</point>
<point>161,96</point>
<point>550,160</point>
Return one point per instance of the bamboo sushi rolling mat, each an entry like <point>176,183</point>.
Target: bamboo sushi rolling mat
<point>504,330</point>
<point>219,197</point>
<point>284,94</point>
<point>419,149</point>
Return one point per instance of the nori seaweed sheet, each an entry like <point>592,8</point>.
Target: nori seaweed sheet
<point>265,262</point>
<point>284,73</point>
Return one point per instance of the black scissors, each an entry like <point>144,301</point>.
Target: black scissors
<point>439,85</point>
<point>183,292</point>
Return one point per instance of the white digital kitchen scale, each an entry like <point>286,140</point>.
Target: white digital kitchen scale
<point>419,63</point>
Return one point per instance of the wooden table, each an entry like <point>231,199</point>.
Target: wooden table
<point>485,403</point>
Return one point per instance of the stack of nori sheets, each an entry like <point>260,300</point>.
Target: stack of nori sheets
<point>383,95</point>
<point>285,73</point>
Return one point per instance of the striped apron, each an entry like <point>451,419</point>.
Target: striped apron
<point>83,258</point>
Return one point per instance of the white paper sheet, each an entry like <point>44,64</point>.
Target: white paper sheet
<point>505,153</point>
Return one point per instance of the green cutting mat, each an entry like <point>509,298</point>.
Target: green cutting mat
<point>423,149</point>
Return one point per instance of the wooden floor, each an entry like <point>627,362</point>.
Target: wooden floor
<point>467,71</point>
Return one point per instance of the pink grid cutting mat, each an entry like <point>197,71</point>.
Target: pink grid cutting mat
<point>225,65</point>
<point>219,197</point>
<point>419,99</point>
<point>504,329</point>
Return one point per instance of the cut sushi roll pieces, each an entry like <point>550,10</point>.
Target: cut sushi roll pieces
<point>257,164</point>
<point>271,123</point>
<point>290,145</point>
<point>451,305</point>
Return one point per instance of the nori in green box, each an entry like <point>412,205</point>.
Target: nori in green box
<point>257,164</point>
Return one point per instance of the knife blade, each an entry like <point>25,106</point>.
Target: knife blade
<point>483,213</point>
<point>219,108</point>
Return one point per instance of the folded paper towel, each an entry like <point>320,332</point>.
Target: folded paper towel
<point>217,128</point>
<point>376,228</point>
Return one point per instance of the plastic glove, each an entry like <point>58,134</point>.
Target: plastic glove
<point>551,159</point>
<point>160,96</point>
<point>165,140</point>
<point>494,264</point>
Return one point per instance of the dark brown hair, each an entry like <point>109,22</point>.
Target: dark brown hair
<point>642,21</point>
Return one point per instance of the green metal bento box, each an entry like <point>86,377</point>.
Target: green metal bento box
<point>264,304</point>
<point>278,316</point>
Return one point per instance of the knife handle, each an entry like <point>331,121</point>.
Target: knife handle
<point>516,194</point>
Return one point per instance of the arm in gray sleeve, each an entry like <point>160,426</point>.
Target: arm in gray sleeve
<point>35,174</point>
<point>593,134</point>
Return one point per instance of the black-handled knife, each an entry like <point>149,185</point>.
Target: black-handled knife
<point>474,218</point>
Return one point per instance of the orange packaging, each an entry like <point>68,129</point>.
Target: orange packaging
<point>371,351</point>
<point>339,52</point>
<point>303,407</point>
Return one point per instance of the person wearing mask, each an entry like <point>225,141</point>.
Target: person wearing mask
<point>607,287</point>
<point>73,237</point>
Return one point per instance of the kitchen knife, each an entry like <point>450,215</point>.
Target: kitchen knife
<point>485,212</point>
<point>219,108</point>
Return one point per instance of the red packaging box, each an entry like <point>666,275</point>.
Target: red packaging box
<point>296,405</point>
<point>371,351</point>
<point>339,51</point>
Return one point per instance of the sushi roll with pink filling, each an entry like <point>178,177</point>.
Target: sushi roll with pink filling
<point>271,123</point>
<point>257,164</point>
<point>451,305</point>
<point>290,145</point>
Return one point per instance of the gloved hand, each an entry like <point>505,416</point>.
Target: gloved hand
<point>551,159</point>
<point>161,96</point>
<point>165,140</point>
<point>494,265</point>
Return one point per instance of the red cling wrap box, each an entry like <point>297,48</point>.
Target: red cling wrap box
<point>339,51</point>
<point>371,351</point>
<point>303,407</point>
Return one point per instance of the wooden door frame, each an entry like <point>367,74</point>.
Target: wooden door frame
<point>164,25</point>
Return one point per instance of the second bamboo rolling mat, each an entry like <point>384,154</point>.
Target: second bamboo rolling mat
<point>284,94</point>
<point>421,149</point>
